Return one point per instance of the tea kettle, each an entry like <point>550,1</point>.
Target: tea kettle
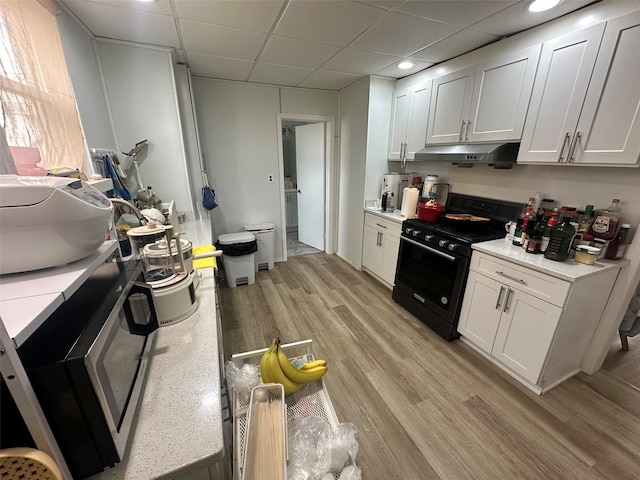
<point>387,202</point>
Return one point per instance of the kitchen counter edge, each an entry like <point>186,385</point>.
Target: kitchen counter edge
<point>393,216</point>
<point>569,270</point>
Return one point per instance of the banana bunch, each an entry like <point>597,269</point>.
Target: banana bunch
<point>275,367</point>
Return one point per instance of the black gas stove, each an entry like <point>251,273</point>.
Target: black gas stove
<point>433,260</point>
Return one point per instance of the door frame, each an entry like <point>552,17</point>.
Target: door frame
<point>330,178</point>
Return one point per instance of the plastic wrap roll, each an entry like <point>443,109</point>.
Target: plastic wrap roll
<point>409,202</point>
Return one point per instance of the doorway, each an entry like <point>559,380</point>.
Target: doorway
<point>306,157</point>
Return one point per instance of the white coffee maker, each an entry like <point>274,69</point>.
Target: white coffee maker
<point>394,183</point>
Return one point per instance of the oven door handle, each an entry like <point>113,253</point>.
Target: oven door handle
<point>433,250</point>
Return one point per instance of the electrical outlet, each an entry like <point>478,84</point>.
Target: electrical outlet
<point>270,178</point>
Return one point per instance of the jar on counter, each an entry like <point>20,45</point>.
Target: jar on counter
<point>606,221</point>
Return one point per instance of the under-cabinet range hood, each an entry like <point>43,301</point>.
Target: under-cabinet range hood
<point>498,155</point>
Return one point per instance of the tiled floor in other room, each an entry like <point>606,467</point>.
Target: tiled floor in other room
<point>296,247</point>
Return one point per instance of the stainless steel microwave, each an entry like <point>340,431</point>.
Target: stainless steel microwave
<point>87,365</point>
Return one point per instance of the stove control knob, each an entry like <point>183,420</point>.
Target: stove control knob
<point>428,238</point>
<point>452,246</point>
<point>443,243</point>
<point>416,233</point>
<point>408,229</point>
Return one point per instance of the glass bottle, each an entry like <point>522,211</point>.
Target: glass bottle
<point>560,240</point>
<point>618,246</point>
<point>585,219</point>
<point>525,227</point>
<point>546,233</point>
<point>606,220</point>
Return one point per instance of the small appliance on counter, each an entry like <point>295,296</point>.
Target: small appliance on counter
<point>393,184</point>
<point>49,221</point>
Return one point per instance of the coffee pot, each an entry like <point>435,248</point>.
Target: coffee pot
<point>388,202</point>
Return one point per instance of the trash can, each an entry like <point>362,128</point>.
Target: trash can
<point>265,233</point>
<point>238,257</point>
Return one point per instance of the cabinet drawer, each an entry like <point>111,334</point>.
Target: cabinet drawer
<point>383,224</point>
<point>544,287</point>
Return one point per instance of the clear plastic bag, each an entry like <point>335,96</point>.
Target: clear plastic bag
<point>242,380</point>
<point>350,472</point>
<point>335,448</point>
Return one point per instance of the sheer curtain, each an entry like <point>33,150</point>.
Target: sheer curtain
<point>38,113</point>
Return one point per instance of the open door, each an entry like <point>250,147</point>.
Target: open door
<point>310,168</point>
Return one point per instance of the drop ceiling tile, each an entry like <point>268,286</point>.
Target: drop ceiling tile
<point>111,21</point>
<point>219,67</point>
<point>328,22</point>
<point>516,18</point>
<point>386,4</point>
<point>329,80</point>
<point>257,16</point>
<point>297,53</point>
<point>461,13</point>
<point>227,42</point>
<point>159,6</point>
<point>401,35</point>
<point>278,74</point>
<point>394,72</point>
<point>457,44</point>
<point>359,62</point>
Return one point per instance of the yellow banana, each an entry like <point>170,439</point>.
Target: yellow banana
<point>315,363</point>
<point>264,373</point>
<point>277,375</point>
<point>295,374</point>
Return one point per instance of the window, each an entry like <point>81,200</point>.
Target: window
<point>38,111</point>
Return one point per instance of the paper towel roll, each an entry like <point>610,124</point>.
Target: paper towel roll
<point>409,202</point>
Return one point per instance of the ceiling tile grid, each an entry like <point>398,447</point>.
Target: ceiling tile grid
<point>324,44</point>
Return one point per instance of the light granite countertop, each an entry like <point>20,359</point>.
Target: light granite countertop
<point>393,216</point>
<point>569,270</point>
<point>178,425</point>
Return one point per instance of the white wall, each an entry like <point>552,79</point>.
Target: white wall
<point>380,105</point>
<point>239,138</point>
<point>142,95</point>
<point>87,83</point>
<point>354,106</point>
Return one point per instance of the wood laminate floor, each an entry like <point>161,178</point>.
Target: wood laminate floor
<point>426,408</point>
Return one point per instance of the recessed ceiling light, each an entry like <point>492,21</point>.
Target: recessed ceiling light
<point>542,5</point>
<point>406,65</point>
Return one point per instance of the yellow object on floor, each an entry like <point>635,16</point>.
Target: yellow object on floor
<point>204,262</point>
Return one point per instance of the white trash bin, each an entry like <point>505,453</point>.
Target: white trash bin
<point>239,267</point>
<point>265,233</point>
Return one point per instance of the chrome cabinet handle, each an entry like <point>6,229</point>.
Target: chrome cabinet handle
<point>379,241</point>
<point>461,131</point>
<point>572,149</point>
<point>506,302</point>
<point>466,135</point>
<point>511,278</point>
<point>381,226</point>
<point>497,307</point>
<point>564,142</point>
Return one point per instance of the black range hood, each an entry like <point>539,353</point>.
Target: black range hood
<point>498,155</point>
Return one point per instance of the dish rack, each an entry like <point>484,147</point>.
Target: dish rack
<point>310,401</point>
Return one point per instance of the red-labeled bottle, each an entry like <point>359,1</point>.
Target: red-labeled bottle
<point>606,221</point>
<point>618,246</point>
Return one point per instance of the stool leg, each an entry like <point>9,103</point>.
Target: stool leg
<point>625,343</point>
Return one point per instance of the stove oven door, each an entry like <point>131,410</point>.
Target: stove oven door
<point>432,278</point>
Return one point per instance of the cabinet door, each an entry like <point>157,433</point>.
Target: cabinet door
<point>527,328</point>
<point>608,132</point>
<point>501,93</point>
<point>481,310</point>
<point>565,68</point>
<point>390,247</point>
<point>418,118</point>
<point>399,121</point>
<point>291,209</point>
<point>372,249</point>
<point>449,107</point>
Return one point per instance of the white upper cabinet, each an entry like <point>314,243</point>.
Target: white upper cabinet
<point>608,131</point>
<point>409,121</point>
<point>586,98</point>
<point>484,103</point>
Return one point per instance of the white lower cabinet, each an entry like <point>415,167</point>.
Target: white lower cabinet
<point>380,245</point>
<point>291,209</point>
<point>533,325</point>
